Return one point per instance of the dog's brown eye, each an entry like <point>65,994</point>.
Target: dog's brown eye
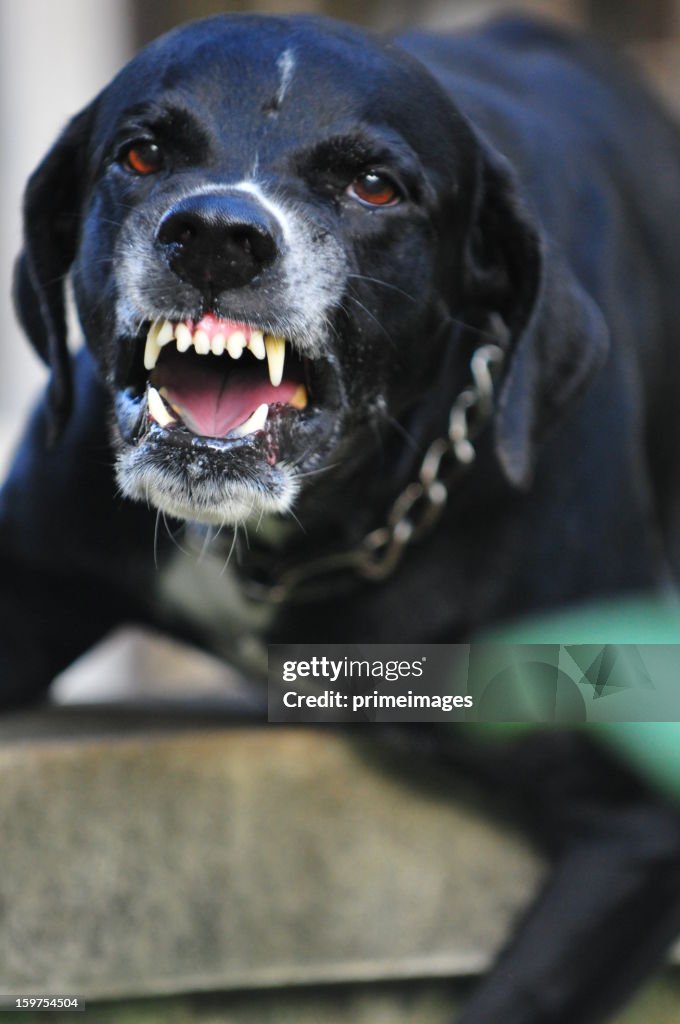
<point>374,189</point>
<point>143,158</point>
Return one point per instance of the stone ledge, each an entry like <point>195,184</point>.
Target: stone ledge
<point>198,860</point>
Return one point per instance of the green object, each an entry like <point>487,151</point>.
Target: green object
<point>652,748</point>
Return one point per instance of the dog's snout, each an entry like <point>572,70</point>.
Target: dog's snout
<point>218,242</point>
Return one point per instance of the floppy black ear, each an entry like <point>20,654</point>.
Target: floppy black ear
<point>559,338</point>
<point>52,206</point>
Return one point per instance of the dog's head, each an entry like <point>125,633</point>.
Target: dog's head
<point>275,229</point>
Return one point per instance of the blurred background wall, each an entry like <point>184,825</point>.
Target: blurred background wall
<point>55,54</point>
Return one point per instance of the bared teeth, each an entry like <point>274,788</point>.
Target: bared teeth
<point>160,333</point>
<point>236,342</point>
<point>253,423</point>
<point>154,331</point>
<point>157,409</point>
<point>166,333</point>
<point>152,349</point>
<point>273,349</point>
<point>276,354</point>
<point>201,343</point>
<point>184,337</point>
<point>212,340</point>
<point>163,392</point>
<point>256,344</point>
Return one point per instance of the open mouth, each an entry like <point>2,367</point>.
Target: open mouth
<point>225,392</point>
<point>221,380</point>
<point>219,418</point>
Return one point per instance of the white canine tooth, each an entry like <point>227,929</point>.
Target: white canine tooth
<point>217,344</point>
<point>184,338</point>
<point>253,423</point>
<point>154,330</point>
<point>166,332</point>
<point>256,344</point>
<point>163,392</point>
<point>201,343</point>
<point>236,342</point>
<point>276,354</point>
<point>152,349</point>
<point>157,409</point>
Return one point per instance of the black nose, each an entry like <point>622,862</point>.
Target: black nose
<point>218,241</point>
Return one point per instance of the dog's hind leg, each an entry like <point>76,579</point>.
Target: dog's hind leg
<point>611,905</point>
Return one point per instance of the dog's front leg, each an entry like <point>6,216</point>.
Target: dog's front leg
<point>73,558</point>
<point>611,906</point>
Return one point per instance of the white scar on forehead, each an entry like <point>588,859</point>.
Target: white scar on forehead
<point>286,66</point>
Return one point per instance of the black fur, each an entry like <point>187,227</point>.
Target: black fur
<point>539,188</point>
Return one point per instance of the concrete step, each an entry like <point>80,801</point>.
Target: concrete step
<point>250,857</point>
<point>293,871</point>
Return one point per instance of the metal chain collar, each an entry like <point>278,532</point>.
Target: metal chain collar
<point>420,505</point>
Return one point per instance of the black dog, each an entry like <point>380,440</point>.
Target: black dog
<point>445,274</point>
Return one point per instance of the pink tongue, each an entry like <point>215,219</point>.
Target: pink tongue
<point>210,403</point>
